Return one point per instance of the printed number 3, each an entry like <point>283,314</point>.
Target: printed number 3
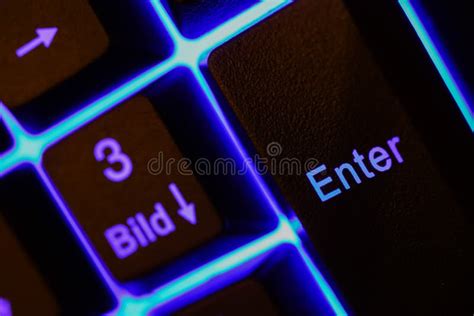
<point>116,156</point>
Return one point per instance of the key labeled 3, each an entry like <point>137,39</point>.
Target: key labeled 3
<point>136,220</point>
<point>116,156</point>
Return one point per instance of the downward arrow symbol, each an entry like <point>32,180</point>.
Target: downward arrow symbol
<point>187,210</point>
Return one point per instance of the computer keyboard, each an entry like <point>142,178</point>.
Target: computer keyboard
<point>275,157</point>
<point>146,218</point>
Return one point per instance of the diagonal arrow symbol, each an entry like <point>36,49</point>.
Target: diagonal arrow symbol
<point>187,210</point>
<point>45,37</point>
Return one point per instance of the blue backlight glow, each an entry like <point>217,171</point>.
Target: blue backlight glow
<point>282,234</point>
<point>440,61</point>
<point>192,54</point>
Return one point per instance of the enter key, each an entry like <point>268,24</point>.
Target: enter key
<point>349,160</point>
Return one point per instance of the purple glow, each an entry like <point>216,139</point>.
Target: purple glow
<point>187,210</point>
<point>45,37</point>
<point>139,231</point>
<point>190,54</point>
<point>5,307</point>
<point>115,157</point>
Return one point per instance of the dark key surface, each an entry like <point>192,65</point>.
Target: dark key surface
<point>245,298</point>
<point>52,245</point>
<point>136,220</point>
<point>78,40</point>
<point>23,291</point>
<point>400,242</point>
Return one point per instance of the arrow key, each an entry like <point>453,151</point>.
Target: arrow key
<point>43,43</point>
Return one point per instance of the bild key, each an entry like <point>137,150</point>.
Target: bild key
<point>136,220</point>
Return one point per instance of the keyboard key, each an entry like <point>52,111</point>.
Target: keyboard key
<point>137,220</point>
<point>136,41</point>
<point>27,206</point>
<point>382,215</point>
<point>52,245</point>
<point>245,298</point>
<point>44,43</point>
<point>196,17</point>
<point>22,290</point>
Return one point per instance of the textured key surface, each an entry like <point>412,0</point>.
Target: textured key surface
<point>399,242</point>
<point>112,200</point>
<point>245,298</point>
<point>22,289</point>
<point>78,41</point>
